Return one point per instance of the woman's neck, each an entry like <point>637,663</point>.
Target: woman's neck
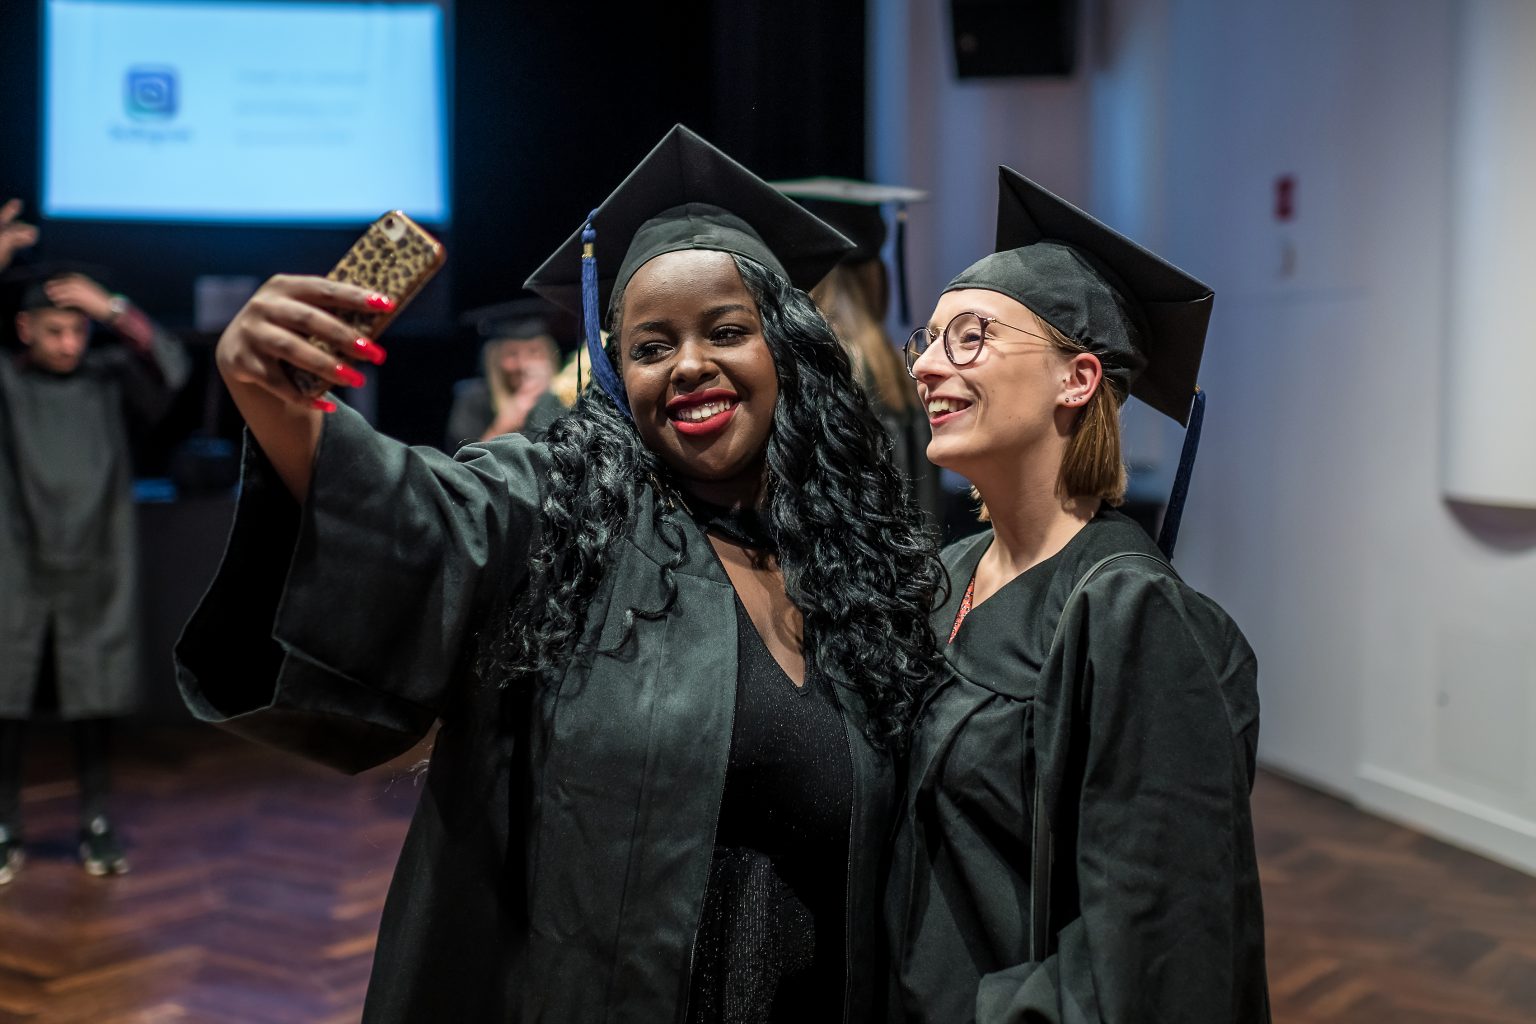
<point>745,490</point>
<point>1031,519</point>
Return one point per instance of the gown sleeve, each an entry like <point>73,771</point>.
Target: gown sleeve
<point>543,415</point>
<point>470,415</point>
<point>335,629</point>
<point>155,372</point>
<point>1159,848</point>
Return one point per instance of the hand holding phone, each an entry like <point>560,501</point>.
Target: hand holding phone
<point>394,258</point>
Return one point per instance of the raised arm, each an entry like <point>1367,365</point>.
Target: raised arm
<point>14,234</point>
<point>271,329</point>
<point>360,572</point>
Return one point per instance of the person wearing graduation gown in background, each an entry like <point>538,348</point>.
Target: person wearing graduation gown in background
<point>68,565</point>
<point>671,646</point>
<point>855,297</point>
<point>514,392</point>
<point>1076,843</point>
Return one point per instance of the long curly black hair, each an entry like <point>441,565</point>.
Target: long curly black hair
<point>857,558</point>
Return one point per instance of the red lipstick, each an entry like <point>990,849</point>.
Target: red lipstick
<point>683,405</point>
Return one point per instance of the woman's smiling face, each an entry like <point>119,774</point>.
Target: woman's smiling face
<point>1005,402</point>
<point>698,372</point>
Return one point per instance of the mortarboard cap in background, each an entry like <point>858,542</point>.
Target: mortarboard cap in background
<point>685,194</point>
<point>1143,317</point>
<point>519,318</point>
<point>23,275</point>
<point>856,208</point>
<point>853,207</point>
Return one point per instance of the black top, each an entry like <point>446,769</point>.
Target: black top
<point>770,945</point>
<point>1126,710</point>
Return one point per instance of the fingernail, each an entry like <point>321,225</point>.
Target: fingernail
<point>383,303</point>
<point>323,404</point>
<point>350,377</point>
<point>366,349</point>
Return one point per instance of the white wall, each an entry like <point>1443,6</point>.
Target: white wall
<point>1394,630</point>
<point>930,131</point>
<point>1493,209</point>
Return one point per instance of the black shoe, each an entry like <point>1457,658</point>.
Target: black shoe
<point>11,855</point>
<point>100,852</point>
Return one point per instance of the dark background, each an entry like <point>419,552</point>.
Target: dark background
<point>551,106</point>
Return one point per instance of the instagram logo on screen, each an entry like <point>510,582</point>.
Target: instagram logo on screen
<point>150,93</point>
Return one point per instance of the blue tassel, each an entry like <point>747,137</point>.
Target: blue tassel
<point>1168,536</point>
<point>602,369</point>
<point>903,305</point>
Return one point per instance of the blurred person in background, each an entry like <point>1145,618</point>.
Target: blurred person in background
<point>855,297</point>
<point>573,377</point>
<point>512,395</point>
<point>68,579</point>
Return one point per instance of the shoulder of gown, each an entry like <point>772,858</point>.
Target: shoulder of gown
<point>337,628</point>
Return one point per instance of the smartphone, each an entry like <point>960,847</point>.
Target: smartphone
<point>394,257</point>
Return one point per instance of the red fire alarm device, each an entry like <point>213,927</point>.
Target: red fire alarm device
<point>1285,197</point>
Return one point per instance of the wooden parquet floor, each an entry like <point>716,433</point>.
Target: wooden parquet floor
<point>256,886</point>
<point>1371,923</point>
<point>258,881</point>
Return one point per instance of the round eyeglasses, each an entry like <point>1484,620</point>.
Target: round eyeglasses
<point>963,336</point>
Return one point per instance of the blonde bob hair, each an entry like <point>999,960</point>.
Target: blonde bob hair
<point>1094,464</point>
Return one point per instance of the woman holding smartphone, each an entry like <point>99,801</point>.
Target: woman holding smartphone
<point>1076,842</point>
<point>671,647</point>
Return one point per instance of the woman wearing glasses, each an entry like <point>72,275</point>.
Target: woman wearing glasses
<point>1076,843</point>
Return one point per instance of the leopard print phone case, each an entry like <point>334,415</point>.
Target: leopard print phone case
<point>394,257</point>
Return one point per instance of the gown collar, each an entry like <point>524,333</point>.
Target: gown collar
<point>744,526</point>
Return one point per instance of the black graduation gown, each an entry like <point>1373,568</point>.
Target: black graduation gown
<point>556,864</point>
<point>68,551</point>
<point>1131,702</point>
<point>473,412</point>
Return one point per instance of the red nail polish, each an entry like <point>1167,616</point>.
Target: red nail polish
<point>366,349</point>
<point>350,377</point>
<point>324,404</point>
<point>382,303</point>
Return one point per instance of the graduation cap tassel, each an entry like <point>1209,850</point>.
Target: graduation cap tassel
<point>602,369</point>
<point>1168,536</point>
<point>902,304</point>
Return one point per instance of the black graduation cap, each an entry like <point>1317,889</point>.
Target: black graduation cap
<point>853,207</point>
<point>685,194</point>
<point>1143,317</point>
<point>857,209</point>
<point>22,275</point>
<point>519,318</point>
